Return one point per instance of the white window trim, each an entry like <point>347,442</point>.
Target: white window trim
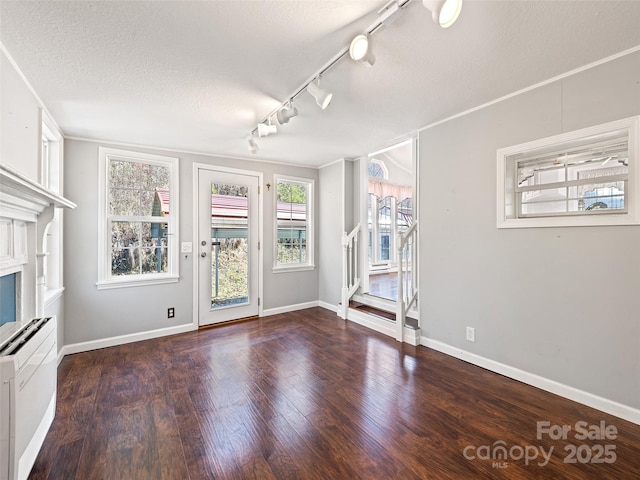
<point>105,279</point>
<point>51,167</point>
<point>309,265</point>
<point>630,217</point>
<point>51,178</point>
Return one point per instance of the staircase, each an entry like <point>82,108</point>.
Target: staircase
<point>383,319</point>
<point>398,319</point>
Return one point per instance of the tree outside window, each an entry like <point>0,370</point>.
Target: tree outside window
<point>293,220</point>
<point>140,218</point>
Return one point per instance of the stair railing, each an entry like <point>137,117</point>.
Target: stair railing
<point>350,270</point>
<point>407,277</point>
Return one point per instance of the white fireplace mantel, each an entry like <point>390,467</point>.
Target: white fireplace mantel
<point>23,199</point>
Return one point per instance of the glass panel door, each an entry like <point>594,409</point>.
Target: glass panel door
<point>229,245</point>
<point>228,274</point>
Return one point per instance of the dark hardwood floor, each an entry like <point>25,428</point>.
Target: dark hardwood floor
<point>306,395</point>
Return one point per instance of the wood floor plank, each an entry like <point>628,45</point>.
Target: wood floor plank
<point>197,462</point>
<point>63,465</point>
<point>306,395</point>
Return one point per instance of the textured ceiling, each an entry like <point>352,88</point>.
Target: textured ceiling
<point>198,76</point>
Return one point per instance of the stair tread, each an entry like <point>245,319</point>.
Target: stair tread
<point>410,322</point>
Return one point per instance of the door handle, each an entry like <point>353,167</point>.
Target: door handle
<point>203,254</point>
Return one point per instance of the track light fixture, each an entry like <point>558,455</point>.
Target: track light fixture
<point>444,12</point>
<point>323,98</point>
<point>266,128</point>
<point>360,52</point>
<point>286,113</point>
<point>253,146</point>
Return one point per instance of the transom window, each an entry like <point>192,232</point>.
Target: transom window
<point>377,169</point>
<point>572,178</point>
<point>139,212</point>
<point>294,227</point>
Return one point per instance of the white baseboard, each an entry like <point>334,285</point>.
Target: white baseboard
<point>594,401</point>
<point>136,337</point>
<point>61,355</point>
<point>378,324</point>
<point>412,337</point>
<point>289,308</point>
<point>122,339</point>
<point>328,306</point>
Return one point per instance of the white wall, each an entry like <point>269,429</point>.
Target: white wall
<point>338,188</point>
<point>351,191</point>
<point>562,303</point>
<point>20,129</point>
<point>94,315</point>
<point>330,230</point>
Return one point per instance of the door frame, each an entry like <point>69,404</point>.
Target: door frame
<point>363,206</point>
<point>197,168</point>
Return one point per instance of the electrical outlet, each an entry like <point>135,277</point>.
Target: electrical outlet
<point>171,312</point>
<point>471,334</point>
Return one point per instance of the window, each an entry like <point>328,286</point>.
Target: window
<point>138,219</point>
<point>377,169</point>
<point>389,212</point>
<point>405,215</point>
<point>51,155</point>
<point>586,177</point>
<point>294,224</point>
<point>385,207</point>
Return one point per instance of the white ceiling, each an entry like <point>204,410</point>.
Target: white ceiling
<point>198,76</point>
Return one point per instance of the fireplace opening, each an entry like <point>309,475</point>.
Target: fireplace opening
<point>8,298</point>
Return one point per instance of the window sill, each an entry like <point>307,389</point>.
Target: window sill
<point>52,295</point>
<point>301,268</point>
<point>136,282</point>
<point>571,221</point>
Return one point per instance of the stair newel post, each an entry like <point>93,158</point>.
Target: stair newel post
<point>414,262</point>
<point>356,254</point>
<point>345,276</point>
<point>400,312</point>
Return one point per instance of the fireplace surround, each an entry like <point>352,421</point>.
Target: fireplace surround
<point>28,346</point>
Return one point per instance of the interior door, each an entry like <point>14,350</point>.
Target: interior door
<point>228,267</point>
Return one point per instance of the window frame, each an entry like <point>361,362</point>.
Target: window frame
<point>51,155</point>
<point>51,178</point>
<point>507,216</point>
<point>310,225</point>
<point>105,278</point>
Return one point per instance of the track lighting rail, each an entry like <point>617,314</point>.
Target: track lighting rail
<point>386,15</point>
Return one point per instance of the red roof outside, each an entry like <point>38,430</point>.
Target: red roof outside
<point>227,206</point>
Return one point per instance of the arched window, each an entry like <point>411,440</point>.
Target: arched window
<point>377,169</point>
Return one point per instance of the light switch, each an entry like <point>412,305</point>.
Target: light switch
<point>186,247</point>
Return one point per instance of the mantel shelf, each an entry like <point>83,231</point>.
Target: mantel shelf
<point>22,198</point>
